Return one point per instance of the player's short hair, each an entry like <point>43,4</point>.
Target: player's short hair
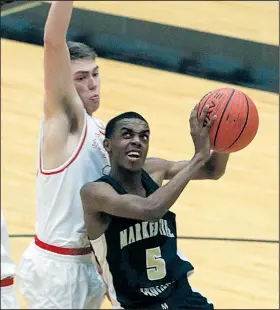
<point>80,50</point>
<point>110,128</point>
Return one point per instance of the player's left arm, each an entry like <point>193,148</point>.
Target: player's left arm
<point>161,169</point>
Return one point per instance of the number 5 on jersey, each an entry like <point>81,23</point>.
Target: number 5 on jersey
<point>156,268</point>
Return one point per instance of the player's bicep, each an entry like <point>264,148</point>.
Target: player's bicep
<point>175,167</point>
<point>60,93</point>
<point>157,168</point>
<point>100,197</point>
<point>161,169</point>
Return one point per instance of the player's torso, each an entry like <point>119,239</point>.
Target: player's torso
<point>143,260</point>
<point>60,219</point>
<point>140,260</point>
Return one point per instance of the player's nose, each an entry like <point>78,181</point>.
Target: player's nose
<point>92,83</point>
<point>136,140</point>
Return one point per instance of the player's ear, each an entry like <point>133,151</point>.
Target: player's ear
<point>107,145</point>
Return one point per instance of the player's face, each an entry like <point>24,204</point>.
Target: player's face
<point>130,144</point>
<point>87,82</point>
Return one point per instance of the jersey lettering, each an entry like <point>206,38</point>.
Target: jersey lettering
<point>144,230</point>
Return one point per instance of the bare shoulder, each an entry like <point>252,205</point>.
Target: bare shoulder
<point>93,188</point>
<point>95,195</point>
<point>96,190</point>
<point>153,164</point>
<point>156,168</point>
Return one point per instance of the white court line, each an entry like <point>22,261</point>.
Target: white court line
<point>20,8</point>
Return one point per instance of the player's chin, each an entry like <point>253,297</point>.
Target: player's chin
<point>135,169</point>
<point>134,166</point>
<point>92,107</point>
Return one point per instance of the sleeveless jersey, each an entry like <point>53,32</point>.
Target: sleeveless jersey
<point>7,264</point>
<point>140,260</point>
<point>59,211</point>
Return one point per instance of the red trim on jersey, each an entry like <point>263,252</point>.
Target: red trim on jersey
<point>7,282</point>
<point>63,251</point>
<point>102,132</point>
<point>99,268</point>
<point>100,271</point>
<point>104,168</point>
<point>56,171</point>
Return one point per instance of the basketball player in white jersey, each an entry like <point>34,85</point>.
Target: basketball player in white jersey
<point>8,297</point>
<point>55,271</point>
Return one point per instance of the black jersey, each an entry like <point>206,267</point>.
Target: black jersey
<point>141,257</point>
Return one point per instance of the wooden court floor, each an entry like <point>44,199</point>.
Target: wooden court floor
<point>248,20</point>
<point>243,204</point>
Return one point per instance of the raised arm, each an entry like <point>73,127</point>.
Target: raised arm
<point>161,169</point>
<point>101,197</point>
<point>61,98</point>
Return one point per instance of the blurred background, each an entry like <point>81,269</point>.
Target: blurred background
<point>232,41</point>
<point>159,58</point>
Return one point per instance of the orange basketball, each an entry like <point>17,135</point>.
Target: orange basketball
<point>237,119</point>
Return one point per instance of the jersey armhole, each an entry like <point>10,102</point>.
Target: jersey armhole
<point>70,160</point>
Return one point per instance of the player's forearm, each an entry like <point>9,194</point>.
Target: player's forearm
<point>58,22</point>
<point>162,200</point>
<point>215,166</point>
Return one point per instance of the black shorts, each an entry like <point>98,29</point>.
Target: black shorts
<point>181,297</point>
<point>184,297</point>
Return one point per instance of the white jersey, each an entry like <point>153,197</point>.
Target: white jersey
<point>60,216</point>
<point>7,264</point>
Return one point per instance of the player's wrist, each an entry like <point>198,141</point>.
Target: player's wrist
<point>200,157</point>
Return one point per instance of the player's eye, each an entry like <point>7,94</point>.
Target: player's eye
<point>145,137</point>
<point>80,78</point>
<point>126,135</point>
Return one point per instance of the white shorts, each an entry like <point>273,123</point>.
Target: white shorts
<point>48,280</point>
<point>8,298</point>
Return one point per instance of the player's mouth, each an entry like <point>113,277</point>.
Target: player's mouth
<point>94,98</point>
<point>133,155</point>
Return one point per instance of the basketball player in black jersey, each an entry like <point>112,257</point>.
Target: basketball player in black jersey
<point>127,219</point>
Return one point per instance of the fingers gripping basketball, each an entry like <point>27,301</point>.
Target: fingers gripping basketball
<point>199,132</point>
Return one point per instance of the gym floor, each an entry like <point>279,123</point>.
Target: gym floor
<point>242,205</point>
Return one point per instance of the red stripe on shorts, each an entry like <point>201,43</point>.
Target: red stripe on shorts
<point>63,251</point>
<point>7,282</point>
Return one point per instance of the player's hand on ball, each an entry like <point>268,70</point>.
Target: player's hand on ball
<point>200,128</point>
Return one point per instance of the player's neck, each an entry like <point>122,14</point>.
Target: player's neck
<point>130,181</point>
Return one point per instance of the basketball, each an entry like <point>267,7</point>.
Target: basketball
<point>237,119</point>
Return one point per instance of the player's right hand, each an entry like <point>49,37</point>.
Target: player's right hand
<point>200,133</point>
